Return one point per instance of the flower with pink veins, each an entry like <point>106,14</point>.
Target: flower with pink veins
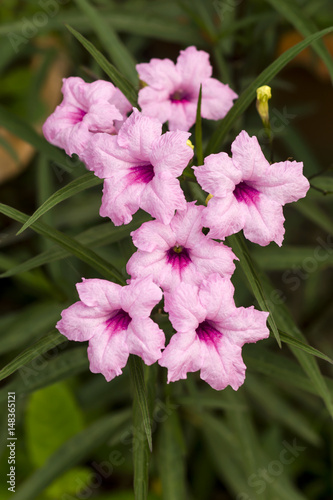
<point>115,320</point>
<point>140,167</point>
<point>210,333</point>
<point>172,90</point>
<point>86,108</point>
<point>248,192</point>
<point>178,252</point>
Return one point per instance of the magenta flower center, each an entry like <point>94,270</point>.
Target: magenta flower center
<point>178,257</point>
<point>208,333</point>
<point>76,116</point>
<point>244,192</point>
<point>141,173</point>
<point>119,321</point>
<point>180,96</point>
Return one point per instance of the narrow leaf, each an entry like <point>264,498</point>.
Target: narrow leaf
<point>74,247</point>
<point>295,15</point>
<point>117,78</point>
<point>43,345</point>
<point>137,377</point>
<point>171,460</point>
<point>74,187</point>
<point>249,94</point>
<point>117,51</point>
<point>198,131</point>
<point>288,339</point>
<point>251,273</point>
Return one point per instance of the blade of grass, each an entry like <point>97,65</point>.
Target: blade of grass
<point>97,236</point>
<point>137,377</point>
<point>295,15</point>
<point>198,131</point>
<point>288,339</point>
<point>76,186</point>
<point>71,245</point>
<point>251,273</point>
<point>249,94</point>
<point>116,77</point>
<point>40,347</point>
<point>117,51</point>
<point>171,458</point>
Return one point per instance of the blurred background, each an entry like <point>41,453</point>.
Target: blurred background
<point>272,439</point>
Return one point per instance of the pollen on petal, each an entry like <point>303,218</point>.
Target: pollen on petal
<point>178,257</point>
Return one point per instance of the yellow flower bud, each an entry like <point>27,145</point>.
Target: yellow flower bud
<point>189,143</point>
<point>264,93</point>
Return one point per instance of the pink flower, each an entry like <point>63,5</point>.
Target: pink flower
<point>140,167</point>
<point>210,333</point>
<point>178,251</point>
<point>248,192</point>
<point>86,108</point>
<point>115,320</point>
<point>173,90</point>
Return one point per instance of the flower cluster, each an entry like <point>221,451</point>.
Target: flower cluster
<point>141,167</point>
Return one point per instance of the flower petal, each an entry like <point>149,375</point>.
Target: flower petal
<point>224,216</point>
<point>100,294</point>
<point>170,153</point>
<point>217,99</point>
<point>248,157</point>
<point>108,353</point>
<point>181,356</point>
<point>137,135</point>
<point>218,176</point>
<point>145,339</point>
<point>139,297</point>
<point>80,322</point>
<point>194,67</point>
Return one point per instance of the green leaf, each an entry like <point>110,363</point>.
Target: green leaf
<point>73,246</point>
<point>198,131</point>
<point>275,406</point>
<point>315,213</point>
<point>308,363</point>
<point>274,258</point>
<point>323,182</point>
<point>24,131</point>
<point>141,453</point>
<point>116,77</point>
<point>20,328</point>
<point>52,417</point>
<point>75,450</point>
<point>74,187</point>
<point>171,459</point>
<point>137,377</point>
<point>117,51</point>
<point>40,347</point>
<point>295,15</point>
<point>100,235</point>
<point>251,273</point>
<point>249,94</point>
<point>288,339</point>
<point>43,371</point>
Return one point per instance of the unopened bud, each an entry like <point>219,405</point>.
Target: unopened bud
<point>264,93</point>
